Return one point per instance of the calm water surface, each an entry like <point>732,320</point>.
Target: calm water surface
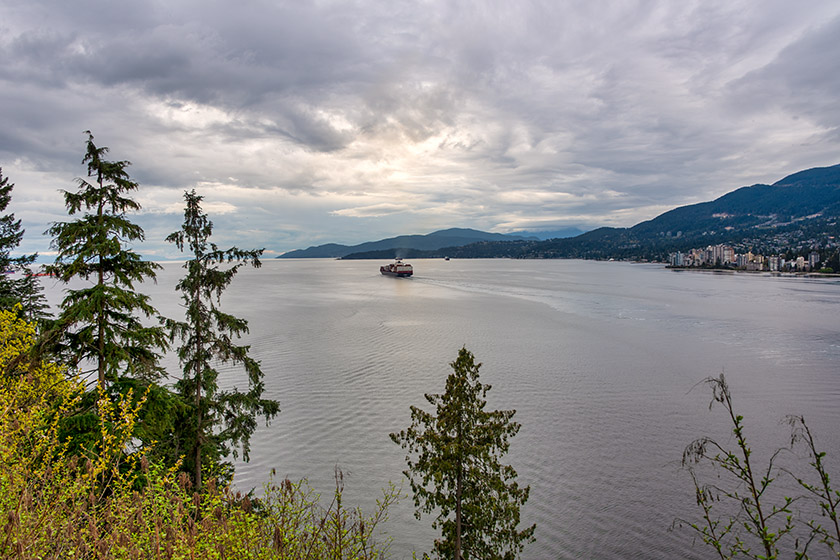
<point>600,360</point>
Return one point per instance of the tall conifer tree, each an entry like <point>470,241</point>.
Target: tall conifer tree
<point>455,471</point>
<point>22,287</point>
<point>217,423</point>
<point>99,323</point>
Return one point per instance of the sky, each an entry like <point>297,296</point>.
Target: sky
<point>310,122</point>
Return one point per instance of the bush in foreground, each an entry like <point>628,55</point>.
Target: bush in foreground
<point>744,513</point>
<point>113,503</point>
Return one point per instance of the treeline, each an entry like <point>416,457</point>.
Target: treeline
<point>112,335</point>
<point>796,239</point>
<point>103,456</point>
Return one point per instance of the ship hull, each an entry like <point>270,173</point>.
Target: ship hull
<point>397,269</point>
<point>386,272</point>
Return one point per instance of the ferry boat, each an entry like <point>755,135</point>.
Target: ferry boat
<point>397,268</point>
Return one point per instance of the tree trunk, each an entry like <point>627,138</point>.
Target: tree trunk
<point>101,311</point>
<point>197,464</point>
<point>198,432</point>
<point>199,435</point>
<point>101,330</point>
<point>458,486</point>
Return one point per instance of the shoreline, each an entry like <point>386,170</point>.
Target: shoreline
<point>810,274</point>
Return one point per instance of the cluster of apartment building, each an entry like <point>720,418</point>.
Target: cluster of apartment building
<point>725,256</point>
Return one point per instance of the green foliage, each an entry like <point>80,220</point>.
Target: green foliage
<point>216,423</point>
<point>750,487</point>
<point>826,497</point>
<point>103,326</point>
<point>455,470</point>
<point>99,323</point>
<point>24,290</point>
<point>302,528</point>
<point>761,525</point>
<point>113,503</point>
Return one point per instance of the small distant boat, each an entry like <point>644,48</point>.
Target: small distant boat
<point>397,268</point>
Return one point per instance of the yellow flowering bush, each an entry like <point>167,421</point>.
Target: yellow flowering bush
<point>114,504</point>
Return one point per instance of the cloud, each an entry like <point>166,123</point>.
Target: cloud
<point>372,211</point>
<point>799,82</point>
<point>306,122</point>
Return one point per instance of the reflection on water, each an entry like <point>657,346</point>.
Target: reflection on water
<point>599,359</point>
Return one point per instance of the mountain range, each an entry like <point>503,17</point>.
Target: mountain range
<point>453,237</point>
<point>796,214</point>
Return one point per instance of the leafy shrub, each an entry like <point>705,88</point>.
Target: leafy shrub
<point>114,503</point>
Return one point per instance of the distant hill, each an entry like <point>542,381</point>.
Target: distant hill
<point>453,237</point>
<point>798,213</point>
<point>552,234</point>
<point>805,195</point>
<point>801,208</point>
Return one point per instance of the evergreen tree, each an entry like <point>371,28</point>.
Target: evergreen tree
<point>454,469</point>
<point>98,324</point>
<point>217,423</point>
<point>24,288</point>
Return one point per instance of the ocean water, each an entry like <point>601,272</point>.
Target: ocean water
<point>603,362</point>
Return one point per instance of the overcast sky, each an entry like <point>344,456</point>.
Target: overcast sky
<point>304,123</point>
